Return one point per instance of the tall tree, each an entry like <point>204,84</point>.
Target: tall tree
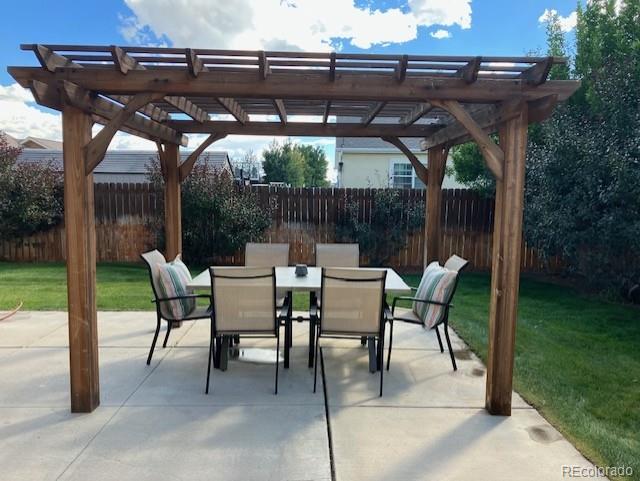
<point>295,164</point>
<point>583,171</point>
<point>315,166</point>
<point>283,163</point>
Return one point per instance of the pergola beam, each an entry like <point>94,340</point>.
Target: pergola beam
<point>305,129</point>
<point>416,113</point>
<point>282,112</point>
<point>494,156</point>
<point>302,86</point>
<point>187,166</point>
<point>82,99</point>
<point>421,171</point>
<point>327,109</point>
<point>52,61</point>
<point>469,73</point>
<point>538,73</point>
<point>152,111</point>
<point>372,114</point>
<point>126,63</point>
<point>235,109</point>
<point>97,147</point>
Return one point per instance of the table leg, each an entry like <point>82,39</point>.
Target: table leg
<point>216,355</point>
<point>373,357</point>
<point>224,353</point>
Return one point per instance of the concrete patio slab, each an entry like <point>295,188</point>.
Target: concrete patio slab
<point>228,443</point>
<point>417,378</point>
<point>381,444</point>
<point>180,381</point>
<point>156,423</point>
<point>121,329</point>
<point>39,443</point>
<point>27,327</point>
<point>39,377</point>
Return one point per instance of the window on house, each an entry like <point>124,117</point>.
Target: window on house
<point>404,177</point>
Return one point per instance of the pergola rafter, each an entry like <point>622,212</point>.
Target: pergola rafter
<point>148,90</point>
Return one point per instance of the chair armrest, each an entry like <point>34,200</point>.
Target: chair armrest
<point>416,299</point>
<point>283,311</point>
<point>388,315</point>
<point>188,296</point>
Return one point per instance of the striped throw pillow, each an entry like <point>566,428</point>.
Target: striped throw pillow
<point>436,285</point>
<point>173,278</point>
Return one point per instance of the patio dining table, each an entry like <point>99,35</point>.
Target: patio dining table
<point>286,280</point>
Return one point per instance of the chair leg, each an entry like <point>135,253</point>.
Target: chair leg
<point>315,363</point>
<point>153,344</point>
<point>277,357</point>
<point>381,342</point>
<point>166,337</point>
<point>453,358</point>
<point>312,340</point>
<point>211,357</point>
<point>439,339</point>
<point>390,344</point>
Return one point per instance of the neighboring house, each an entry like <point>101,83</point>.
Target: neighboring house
<point>125,166</point>
<point>372,162</point>
<point>33,143</point>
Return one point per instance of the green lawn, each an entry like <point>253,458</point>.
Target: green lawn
<point>577,358</point>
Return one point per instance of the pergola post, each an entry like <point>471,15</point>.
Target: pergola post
<point>432,227</point>
<point>505,273</point>
<point>172,207</point>
<point>79,221</point>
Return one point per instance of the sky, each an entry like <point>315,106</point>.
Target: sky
<point>437,27</point>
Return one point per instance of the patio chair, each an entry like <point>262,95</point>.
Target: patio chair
<point>431,302</point>
<point>174,304</point>
<point>267,255</point>
<point>337,255</point>
<point>353,305</point>
<point>244,303</point>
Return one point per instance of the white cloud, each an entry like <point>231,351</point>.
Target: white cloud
<point>567,23</point>
<point>291,24</point>
<point>440,34</point>
<point>442,12</point>
<point>19,117</point>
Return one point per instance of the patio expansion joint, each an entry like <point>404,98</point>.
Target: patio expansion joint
<point>115,413</point>
<point>327,417</point>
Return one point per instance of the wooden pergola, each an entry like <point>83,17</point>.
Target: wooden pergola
<point>161,94</point>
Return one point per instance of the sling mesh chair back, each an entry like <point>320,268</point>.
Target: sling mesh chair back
<point>268,255</point>
<point>431,302</point>
<point>174,301</point>
<point>244,302</point>
<point>337,255</point>
<point>352,306</point>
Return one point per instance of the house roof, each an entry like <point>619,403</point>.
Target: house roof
<point>123,161</point>
<point>40,143</point>
<point>33,142</point>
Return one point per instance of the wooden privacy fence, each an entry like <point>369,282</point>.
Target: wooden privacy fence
<point>300,216</point>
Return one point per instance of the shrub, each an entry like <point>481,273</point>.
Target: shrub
<point>31,195</point>
<point>218,218</point>
<point>386,233</point>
